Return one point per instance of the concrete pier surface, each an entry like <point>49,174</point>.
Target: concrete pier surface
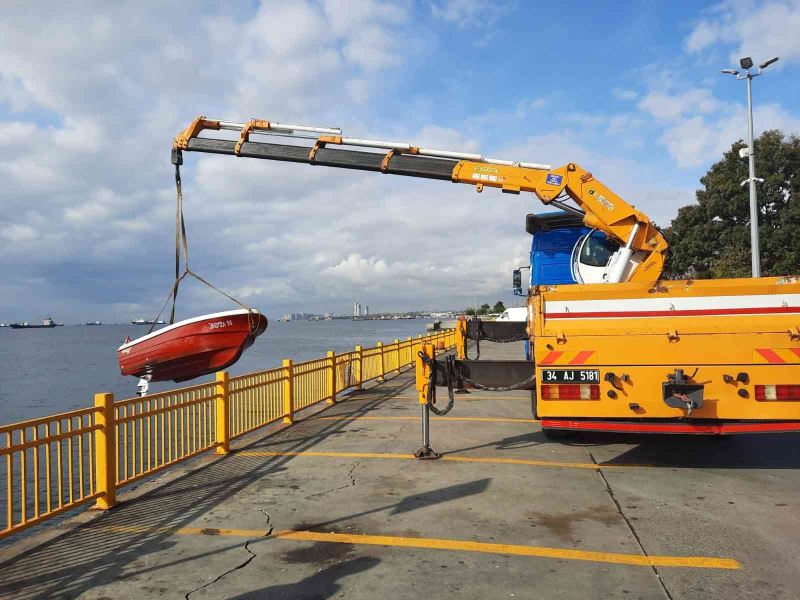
<point>334,506</point>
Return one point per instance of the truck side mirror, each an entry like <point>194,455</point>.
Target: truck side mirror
<point>517,282</point>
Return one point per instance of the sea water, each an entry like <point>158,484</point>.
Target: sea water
<point>47,371</point>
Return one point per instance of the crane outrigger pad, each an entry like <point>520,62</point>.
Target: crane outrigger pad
<point>400,164</point>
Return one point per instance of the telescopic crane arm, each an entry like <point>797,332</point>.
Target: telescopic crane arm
<point>599,206</point>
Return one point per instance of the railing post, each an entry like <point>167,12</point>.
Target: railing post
<point>382,376</point>
<point>223,416</point>
<point>410,352</point>
<point>288,391</point>
<point>397,354</point>
<point>105,456</point>
<point>360,369</point>
<point>332,376</point>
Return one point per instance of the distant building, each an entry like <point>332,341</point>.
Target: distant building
<point>366,311</point>
<point>356,310</point>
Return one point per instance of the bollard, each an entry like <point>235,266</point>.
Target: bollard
<point>359,368</point>
<point>332,377</point>
<point>105,458</point>
<point>288,391</point>
<point>223,417</point>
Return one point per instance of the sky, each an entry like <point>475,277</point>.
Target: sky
<point>92,94</point>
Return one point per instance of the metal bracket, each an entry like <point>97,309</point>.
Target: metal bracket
<point>673,336</point>
<point>794,333</point>
<point>244,136</point>
<point>320,143</point>
<point>181,141</point>
<point>394,152</point>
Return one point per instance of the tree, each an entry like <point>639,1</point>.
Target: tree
<point>470,312</point>
<point>484,309</point>
<point>498,307</point>
<point>711,239</point>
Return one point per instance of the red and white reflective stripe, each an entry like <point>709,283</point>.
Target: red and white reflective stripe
<point>768,393</point>
<point>777,356</point>
<point>765,304</point>
<point>572,357</point>
<point>690,428</point>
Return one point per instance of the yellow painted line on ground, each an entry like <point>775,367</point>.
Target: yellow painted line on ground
<point>702,562</point>
<point>699,562</point>
<point>459,398</point>
<point>446,458</point>
<point>416,418</point>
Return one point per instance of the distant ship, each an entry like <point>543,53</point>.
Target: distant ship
<point>46,324</point>
<point>147,322</point>
<point>93,323</point>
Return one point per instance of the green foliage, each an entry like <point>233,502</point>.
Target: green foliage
<point>470,312</point>
<point>711,239</point>
<point>484,309</point>
<point>498,307</point>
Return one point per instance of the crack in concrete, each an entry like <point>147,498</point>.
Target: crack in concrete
<point>631,528</point>
<point>351,483</point>
<point>241,565</point>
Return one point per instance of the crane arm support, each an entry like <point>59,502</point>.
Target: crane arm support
<point>604,210</point>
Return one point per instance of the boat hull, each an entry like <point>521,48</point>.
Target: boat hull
<point>192,348</point>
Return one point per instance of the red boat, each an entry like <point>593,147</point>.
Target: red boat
<point>193,347</point>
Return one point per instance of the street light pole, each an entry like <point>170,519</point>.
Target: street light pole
<point>746,64</point>
<point>755,253</point>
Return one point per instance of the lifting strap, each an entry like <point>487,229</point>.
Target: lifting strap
<point>182,245</point>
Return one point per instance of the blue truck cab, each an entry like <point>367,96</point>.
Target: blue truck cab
<point>556,237</point>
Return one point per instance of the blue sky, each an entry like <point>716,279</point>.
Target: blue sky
<point>90,98</point>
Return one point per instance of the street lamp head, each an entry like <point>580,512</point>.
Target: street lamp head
<point>764,65</point>
<point>730,71</point>
<point>746,62</point>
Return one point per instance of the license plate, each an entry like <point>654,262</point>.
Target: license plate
<point>570,375</point>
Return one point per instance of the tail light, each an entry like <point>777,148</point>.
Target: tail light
<point>767,393</point>
<point>571,391</point>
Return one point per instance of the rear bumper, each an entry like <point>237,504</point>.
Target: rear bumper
<point>703,428</point>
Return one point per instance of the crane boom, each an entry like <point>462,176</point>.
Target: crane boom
<point>601,208</point>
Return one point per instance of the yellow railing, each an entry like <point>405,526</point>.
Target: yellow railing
<point>58,463</point>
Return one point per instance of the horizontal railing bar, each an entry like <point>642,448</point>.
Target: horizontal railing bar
<point>47,440</point>
<point>166,394</point>
<point>164,409</point>
<point>244,388</point>
<point>45,420</point>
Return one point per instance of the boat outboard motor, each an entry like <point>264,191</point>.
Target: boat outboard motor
<point>143,386</point>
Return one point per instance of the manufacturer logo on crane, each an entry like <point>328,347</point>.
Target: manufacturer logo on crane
<point>605,202</point>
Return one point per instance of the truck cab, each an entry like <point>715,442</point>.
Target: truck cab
<point>564,251</point>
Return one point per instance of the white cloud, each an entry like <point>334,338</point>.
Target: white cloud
<point>471,13</point>
<point>758,29</point>
<point>624,93</point>
<point>664,105</point>
<point>700,139</point>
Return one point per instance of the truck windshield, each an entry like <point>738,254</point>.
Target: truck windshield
<point>597,250</point>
